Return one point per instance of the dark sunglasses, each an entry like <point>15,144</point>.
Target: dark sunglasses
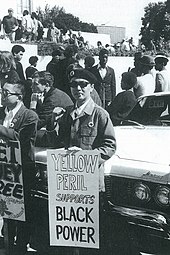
<point>75,84</point>
<point>6,93</point>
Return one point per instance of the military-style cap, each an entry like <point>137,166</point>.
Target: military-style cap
<point>147,60</point>
<point>81,73</point>
<point>162,55</point>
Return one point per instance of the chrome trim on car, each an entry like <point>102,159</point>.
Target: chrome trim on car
<point>39,194</point>
<point>148,219</point>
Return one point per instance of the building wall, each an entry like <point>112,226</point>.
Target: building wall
<point>6,5</point>
<point>93,38</point>
<point>24,5</point>
<point>18,6</point>
<point>116,33</point>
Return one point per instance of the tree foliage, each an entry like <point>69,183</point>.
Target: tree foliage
<point>63,20</point>
<point>156,24</point>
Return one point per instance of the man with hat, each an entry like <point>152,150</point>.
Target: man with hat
<point>92,119</point>
<point>85,125</point>
<point>146,82</point>
<point>137,67</point>
<point>10,25</point>
<point>162,76</point>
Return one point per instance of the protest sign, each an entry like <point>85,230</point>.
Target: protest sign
<point>11,182</point>
<point>73,188</point>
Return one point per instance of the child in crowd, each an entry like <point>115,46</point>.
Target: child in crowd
<point>30,70</point>
<point>125,100</point>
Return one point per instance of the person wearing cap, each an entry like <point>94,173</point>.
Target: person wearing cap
<point>106,82</point>
<point>162,76</point>
<point>84,126</point>
<point>146,82</point>
<point>137,67</point>
<point>10,25</point>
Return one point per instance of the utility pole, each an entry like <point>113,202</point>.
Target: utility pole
<point>30,6</point>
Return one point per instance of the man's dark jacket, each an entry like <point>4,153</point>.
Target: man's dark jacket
<point>53,98</point>
<point>106,87</point>
<point>20,71</point>
<point>23,128</point>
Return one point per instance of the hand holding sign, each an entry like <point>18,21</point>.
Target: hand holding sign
<point>74,148</point>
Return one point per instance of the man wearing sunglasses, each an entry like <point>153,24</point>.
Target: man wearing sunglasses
<point>19,123</point>
<point>85,126</point>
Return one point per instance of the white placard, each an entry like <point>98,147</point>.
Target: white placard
<point>73,188</point>
<point>11,181</point>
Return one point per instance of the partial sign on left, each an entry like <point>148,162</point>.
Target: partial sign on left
<point>11,181</point>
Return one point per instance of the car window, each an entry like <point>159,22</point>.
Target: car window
<point>151,109</point>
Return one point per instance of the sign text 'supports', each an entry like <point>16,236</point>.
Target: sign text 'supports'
<point>73,182</point>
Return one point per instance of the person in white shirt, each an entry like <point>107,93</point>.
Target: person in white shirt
<point>146,82</point>
<point>162,76</point>
<point>37,26</point>
<point>27,25</point>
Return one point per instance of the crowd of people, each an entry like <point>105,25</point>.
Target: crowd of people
<point>26,28</point>
<point>69,106</point>
<point>29,28</point>
<point>126,47</point>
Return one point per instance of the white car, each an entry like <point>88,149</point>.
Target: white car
<point>137,180</point>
